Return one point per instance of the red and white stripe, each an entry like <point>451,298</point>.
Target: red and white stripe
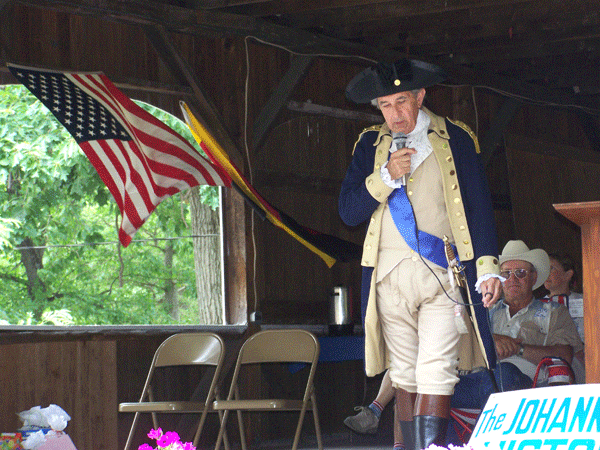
<point>142,172</point>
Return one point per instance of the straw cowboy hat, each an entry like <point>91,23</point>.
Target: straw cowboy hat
<point>388,78</point>
<point>518,251</point>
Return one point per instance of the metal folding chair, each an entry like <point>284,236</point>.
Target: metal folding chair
<point>185,349</point>
<point>274,346</point>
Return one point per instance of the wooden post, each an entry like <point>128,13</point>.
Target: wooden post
<point>587,216</point>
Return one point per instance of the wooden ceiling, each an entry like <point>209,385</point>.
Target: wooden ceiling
<point>542,50</point>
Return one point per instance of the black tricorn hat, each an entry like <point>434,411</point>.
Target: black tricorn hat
<point>389,78</point>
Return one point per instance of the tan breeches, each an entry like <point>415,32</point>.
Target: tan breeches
<point>419,328</point>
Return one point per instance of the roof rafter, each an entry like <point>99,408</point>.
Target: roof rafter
<point>308,43</point>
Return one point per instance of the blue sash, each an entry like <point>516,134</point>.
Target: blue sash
<point>431,247</point>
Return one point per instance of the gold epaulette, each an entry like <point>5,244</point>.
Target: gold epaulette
<point>371,128</point>
<point>466,127</point>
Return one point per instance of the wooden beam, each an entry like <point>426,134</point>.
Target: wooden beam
<point>125,84</point>
<point>214,23</point>
<point>510,87</point>
<point>320,110</point>
<point>213,4</point>
<point>297,71</point>
<point>204,110</point>
<point>429,29</point>
<point>346,11</point>
<point>496,48</point>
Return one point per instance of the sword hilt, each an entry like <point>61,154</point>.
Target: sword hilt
<point>450,255</point>
<point>453,263</point>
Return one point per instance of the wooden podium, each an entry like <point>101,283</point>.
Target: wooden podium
<point>587,216</point>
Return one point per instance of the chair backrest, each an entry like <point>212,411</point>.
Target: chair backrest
<point>190,349</point>
<point>280,346</point>
<point>273,346</point>
<point>183,349</point>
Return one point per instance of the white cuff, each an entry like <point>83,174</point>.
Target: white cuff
<point>485,277</point>
<point>387,179</point>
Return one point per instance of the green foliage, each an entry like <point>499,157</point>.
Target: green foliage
<point>51,195</point>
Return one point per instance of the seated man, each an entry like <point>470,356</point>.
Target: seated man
<point>526,330</point>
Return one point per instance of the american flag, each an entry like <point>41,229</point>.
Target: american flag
<point>140,159</point>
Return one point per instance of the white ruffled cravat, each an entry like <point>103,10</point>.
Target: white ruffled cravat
<point>416,139</point>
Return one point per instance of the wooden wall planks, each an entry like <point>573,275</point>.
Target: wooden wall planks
<point>78,376</point>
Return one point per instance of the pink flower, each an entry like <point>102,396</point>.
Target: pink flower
<point>450,447</point>
<point>155,434</point>
<point>167,439</point>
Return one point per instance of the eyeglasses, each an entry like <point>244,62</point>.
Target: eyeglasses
<point>519,273</point>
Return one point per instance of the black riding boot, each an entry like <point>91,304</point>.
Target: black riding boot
<point>429,430</point>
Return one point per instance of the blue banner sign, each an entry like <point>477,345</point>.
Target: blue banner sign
<point>549,418</point>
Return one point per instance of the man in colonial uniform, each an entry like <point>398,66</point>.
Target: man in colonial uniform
<point>418,181</point>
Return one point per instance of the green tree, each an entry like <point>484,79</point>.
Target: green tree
<point>50,198</point>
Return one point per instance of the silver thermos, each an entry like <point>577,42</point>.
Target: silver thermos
<point>340,313</point>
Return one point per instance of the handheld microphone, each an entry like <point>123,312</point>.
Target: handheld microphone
<point>400,141</point>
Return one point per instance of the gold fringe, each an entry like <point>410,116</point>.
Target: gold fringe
<point>371,128</point>
<point>466,127</point>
